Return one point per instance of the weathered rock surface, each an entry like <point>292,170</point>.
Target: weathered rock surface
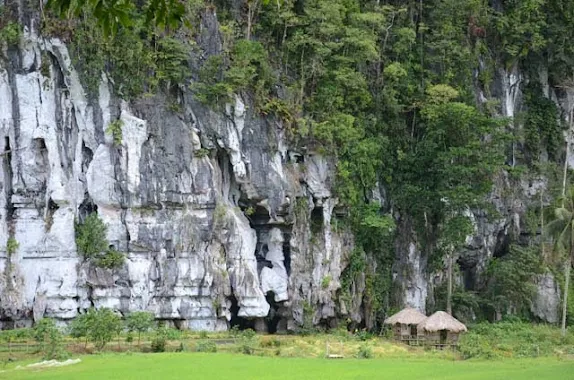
<point>220,219</point>
<point>202,203</point>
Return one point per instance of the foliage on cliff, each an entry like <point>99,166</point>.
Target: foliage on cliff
<point>92,243</point>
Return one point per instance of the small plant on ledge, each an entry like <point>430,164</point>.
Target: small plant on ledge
<point>92,243</point>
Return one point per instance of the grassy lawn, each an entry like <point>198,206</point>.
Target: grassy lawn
<point>235,366</point>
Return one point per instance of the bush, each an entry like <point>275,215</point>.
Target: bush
<point>110,260</point>
<point>476,346</point>
<point>91,236</point>
<point>363,335</point>
<point>50,338</point>
<point>159,342</point>
<point>92,243</point>
<point>11,246</point>
<point>270,342</point>
<point>234,331</point>
<point>307,328</point>
<point>512,339</point>
<point>248,342</point>
<point>103,325</point>
<point>80,327</point>
<point>139,321</point>
<point>180,348</point>
<point>172,334</point>
<point>10,33</point>
<point>365,352</point>
<point>205,346</point>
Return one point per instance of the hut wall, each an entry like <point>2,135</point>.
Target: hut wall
<point>405,331</point>
<point>397,331</point>
<point>452,337</point>
<point>432,337</point>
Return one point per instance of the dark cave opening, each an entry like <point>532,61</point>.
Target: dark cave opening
<point>236,320</point>
<point>287,254</point>
<point>502,247</point>
<point>51,209</point>
<point>316,220</point>
<point>7,172</point>
<point>273,317</point>
<point>86,208</point>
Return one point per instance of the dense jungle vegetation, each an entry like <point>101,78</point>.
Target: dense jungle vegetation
<point>405,94</point>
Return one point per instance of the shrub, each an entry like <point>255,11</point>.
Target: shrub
<point>159,342</point>
<point>234,331</point>
<point>139,321</point>
<point>205,346</point>
<point>91,236</point>
<point>307,328</point>
<point>80,326</point>
<point>180,348</point>
<point>92,243</point>
<point>10,34</point>
<point>11,246</point>
<point>248,342</point>
<point>103,325</point>
<point>325,282</point>
<point>271,342</point>
<point>172,334</point>
<point>110,260</point>
<point>363,335</point>
<point>365,352</point>
<point>50,338</point>
<point>476,346</point>
<point>115,129</point>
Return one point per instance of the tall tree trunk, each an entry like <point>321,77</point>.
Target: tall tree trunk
<point>565,297</point>
<point>569,259</point>
<point>449,287</point>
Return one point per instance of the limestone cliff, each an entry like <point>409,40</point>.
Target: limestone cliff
<point>213,209</point>
<point>222,220</point>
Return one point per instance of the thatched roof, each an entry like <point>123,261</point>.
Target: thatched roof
<point>441,321</point>
<point>406,316</point>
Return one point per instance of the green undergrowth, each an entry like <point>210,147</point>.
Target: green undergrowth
<point>515,339</point>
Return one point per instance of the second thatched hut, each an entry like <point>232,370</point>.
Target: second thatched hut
<point>404,324</point>
<point>441,329</point>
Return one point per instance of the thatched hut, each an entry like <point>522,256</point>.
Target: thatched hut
<point>441,329</point>
<point>404,324</point>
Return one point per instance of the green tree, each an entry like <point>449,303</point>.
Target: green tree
<point>91,236</point>
<point>92,243</point>
<point>81,325</point>
<point>560,227</point>
<point>453,233</point>
<point>111,14</point>
<point>104,325</point>
<point>140,321</point>
<point>510,279</point>
<point>50,338</point>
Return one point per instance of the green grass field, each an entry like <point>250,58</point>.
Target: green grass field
<point>233,366</point>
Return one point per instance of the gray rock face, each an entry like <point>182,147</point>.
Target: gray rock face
<point>209,208</point>
<point>220,219</point>
<point>546,305</point>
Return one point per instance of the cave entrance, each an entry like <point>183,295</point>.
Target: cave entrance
<point>316,220</point>
<point>236,320</point>
<point>273,317</point>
